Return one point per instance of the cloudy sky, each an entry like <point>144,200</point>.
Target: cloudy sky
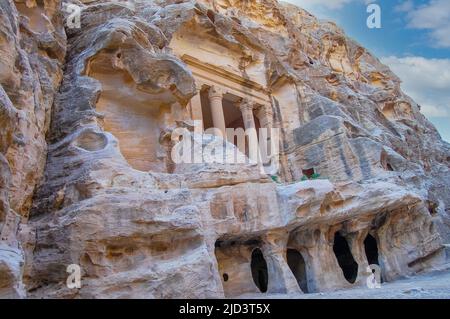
<point>414,41</point>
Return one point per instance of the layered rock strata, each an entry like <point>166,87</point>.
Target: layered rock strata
<point>111,199</point>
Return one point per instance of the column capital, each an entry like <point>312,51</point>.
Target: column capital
<point>265,110</point>
<point>215,92</point>
<point>245,105</point>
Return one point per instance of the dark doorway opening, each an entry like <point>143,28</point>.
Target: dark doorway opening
<point>345,258</point>
<point>371,248</point>
<point>298,267</point>
<point>309,173</point>
<point>206,110</point>
<point>259,270</point>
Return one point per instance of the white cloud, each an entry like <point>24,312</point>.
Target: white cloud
<point>405,6</point>
<point>325,9</point>
<point>427,81</point>
<point>433,16</point>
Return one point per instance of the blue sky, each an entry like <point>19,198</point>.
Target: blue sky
<point>414,41</point>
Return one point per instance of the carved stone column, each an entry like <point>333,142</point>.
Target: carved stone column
<point>281,278</point>
<point>265,116</point>
<point>215,100</point>
<point>196,108</point>
<point>246,107</point>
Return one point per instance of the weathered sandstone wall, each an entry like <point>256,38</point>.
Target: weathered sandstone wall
<point>32,50</point>
<point>140,226</point>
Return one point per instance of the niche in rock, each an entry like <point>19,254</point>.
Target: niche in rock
<point>371,249</point>
<point>259,270</point>
<point>132,115</point>
<point>345,258</point>
<point>297,265</point>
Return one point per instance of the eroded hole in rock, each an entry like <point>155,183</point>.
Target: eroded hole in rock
<point>91,141</point>
<point>371,249</point>
<point>238,268</point>
<point>345,258</point>
<point>432,208</point>
<point>385,162</point>
<point>297,265</point>
<point>132,115</point>
<point>259,270</point>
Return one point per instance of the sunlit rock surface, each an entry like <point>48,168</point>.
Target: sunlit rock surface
<point>87,177</point>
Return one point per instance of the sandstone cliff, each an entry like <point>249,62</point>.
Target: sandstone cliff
<point>86,178</point>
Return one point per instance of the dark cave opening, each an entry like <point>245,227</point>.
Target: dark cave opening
<point>345,258</point>
<point>259,270</point>
<point>371,248</point>
<point>297,265</point>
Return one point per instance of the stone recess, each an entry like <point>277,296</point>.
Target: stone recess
<point>86,175</point>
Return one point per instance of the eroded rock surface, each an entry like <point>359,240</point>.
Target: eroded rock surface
<point>32,50</point>
<point>99,116</point>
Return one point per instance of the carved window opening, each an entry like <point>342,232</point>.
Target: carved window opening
<point>309,172</point>
<point>345,258</point>
<point>259,270</point>
<point>297,265</point>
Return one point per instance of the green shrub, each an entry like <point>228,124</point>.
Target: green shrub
<point>313,177</point>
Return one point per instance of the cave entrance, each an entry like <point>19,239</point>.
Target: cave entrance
<point>297,265</point>
<point>259,270</point>
<point>345,258</point>
<point>309,173</point>
<point>371,248</point>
